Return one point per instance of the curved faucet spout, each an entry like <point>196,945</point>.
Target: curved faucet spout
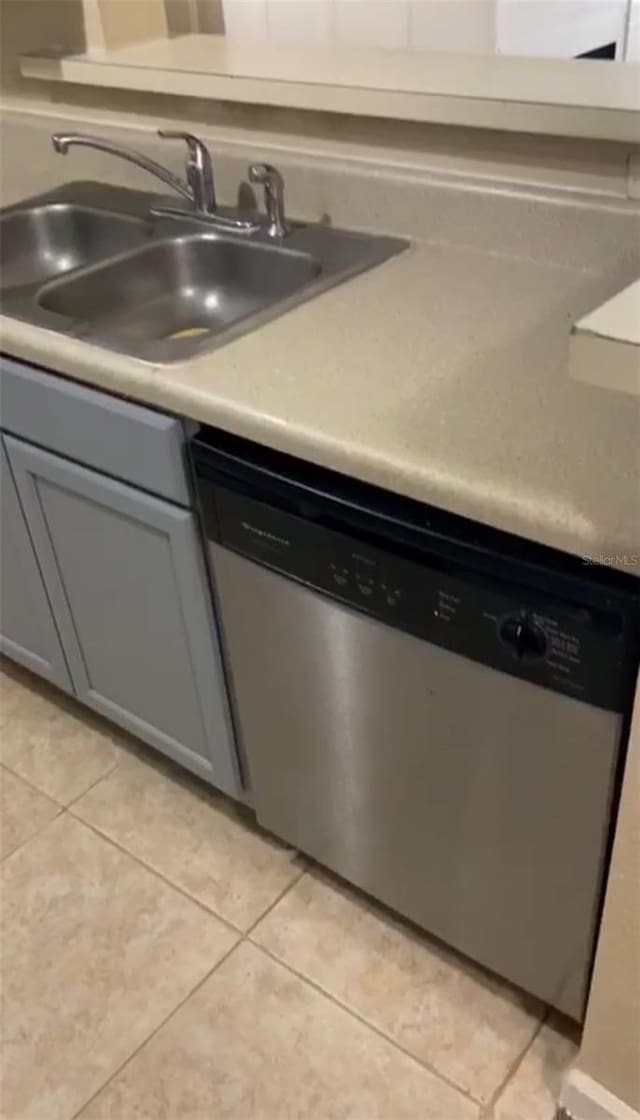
<point>63,141</point>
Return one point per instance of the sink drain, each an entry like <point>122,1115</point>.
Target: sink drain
<point>187,332</point>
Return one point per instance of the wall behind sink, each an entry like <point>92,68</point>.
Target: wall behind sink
<point>491,156</point>
<point>356,186</point>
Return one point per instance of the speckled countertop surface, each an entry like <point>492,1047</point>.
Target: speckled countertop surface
<point>441,375</point>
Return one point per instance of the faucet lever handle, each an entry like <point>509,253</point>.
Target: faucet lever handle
<point>199,168</point>
<point>270,178</point>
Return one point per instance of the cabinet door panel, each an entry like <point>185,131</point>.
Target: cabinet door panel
<point>126,579</point>
<point>29,633</point>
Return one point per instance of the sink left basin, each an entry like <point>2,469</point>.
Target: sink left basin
<point>42,242</point>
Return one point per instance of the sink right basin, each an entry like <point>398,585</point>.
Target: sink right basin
<point>41,242</point>
<point>167,298</point>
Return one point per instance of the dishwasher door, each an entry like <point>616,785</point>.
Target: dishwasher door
<point>472,802</point>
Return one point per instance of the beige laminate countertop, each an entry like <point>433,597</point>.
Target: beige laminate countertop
<point>441,375</point>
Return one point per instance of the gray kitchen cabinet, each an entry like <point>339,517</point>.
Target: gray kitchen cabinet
<point>125,576</point>
<point>117,437</point>
<point>28,631</point>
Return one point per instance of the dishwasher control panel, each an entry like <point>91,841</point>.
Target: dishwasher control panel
<point>564,646</point>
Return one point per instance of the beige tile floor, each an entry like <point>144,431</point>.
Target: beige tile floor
<point>163,959</point>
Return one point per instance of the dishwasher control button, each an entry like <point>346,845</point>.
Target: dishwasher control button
<point>339,575</point>
<point>523,638</point>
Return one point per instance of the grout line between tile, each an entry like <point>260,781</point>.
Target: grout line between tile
<point>23,843</point>
<point>107,774</point>
<point>275,902</point>
<point>367,1023</point>
<point>487,1113</point>
<point>32,785</point>
<point>37,789</point>
<point>153,871</point>
<point>157,1028</point>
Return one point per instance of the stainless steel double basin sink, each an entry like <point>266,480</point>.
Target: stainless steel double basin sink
<point>90,261</point>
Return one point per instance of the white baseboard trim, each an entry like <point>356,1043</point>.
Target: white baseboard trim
<point>582,1098</point>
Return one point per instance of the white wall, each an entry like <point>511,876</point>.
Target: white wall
<point>558,28</point>
<point>447,25</point>
<point>548,28</point>
<point>453,25</point>
<point>633,39</point>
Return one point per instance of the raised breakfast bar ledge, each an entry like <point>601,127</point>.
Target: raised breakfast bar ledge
<point>544,96</point>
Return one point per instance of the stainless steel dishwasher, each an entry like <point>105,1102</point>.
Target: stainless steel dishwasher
<point>432,709</point>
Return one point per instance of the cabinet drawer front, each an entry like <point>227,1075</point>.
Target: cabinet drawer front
<point>122,439</point>
<point>126,578</point>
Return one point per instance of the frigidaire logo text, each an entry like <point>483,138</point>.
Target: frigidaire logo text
<point>265,534</point>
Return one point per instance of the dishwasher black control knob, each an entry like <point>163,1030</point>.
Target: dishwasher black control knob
<point>524,638</point>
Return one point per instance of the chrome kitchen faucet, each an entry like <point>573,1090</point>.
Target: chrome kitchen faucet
<point>198,188</point>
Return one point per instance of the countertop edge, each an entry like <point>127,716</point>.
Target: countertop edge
<point>159,387</point>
